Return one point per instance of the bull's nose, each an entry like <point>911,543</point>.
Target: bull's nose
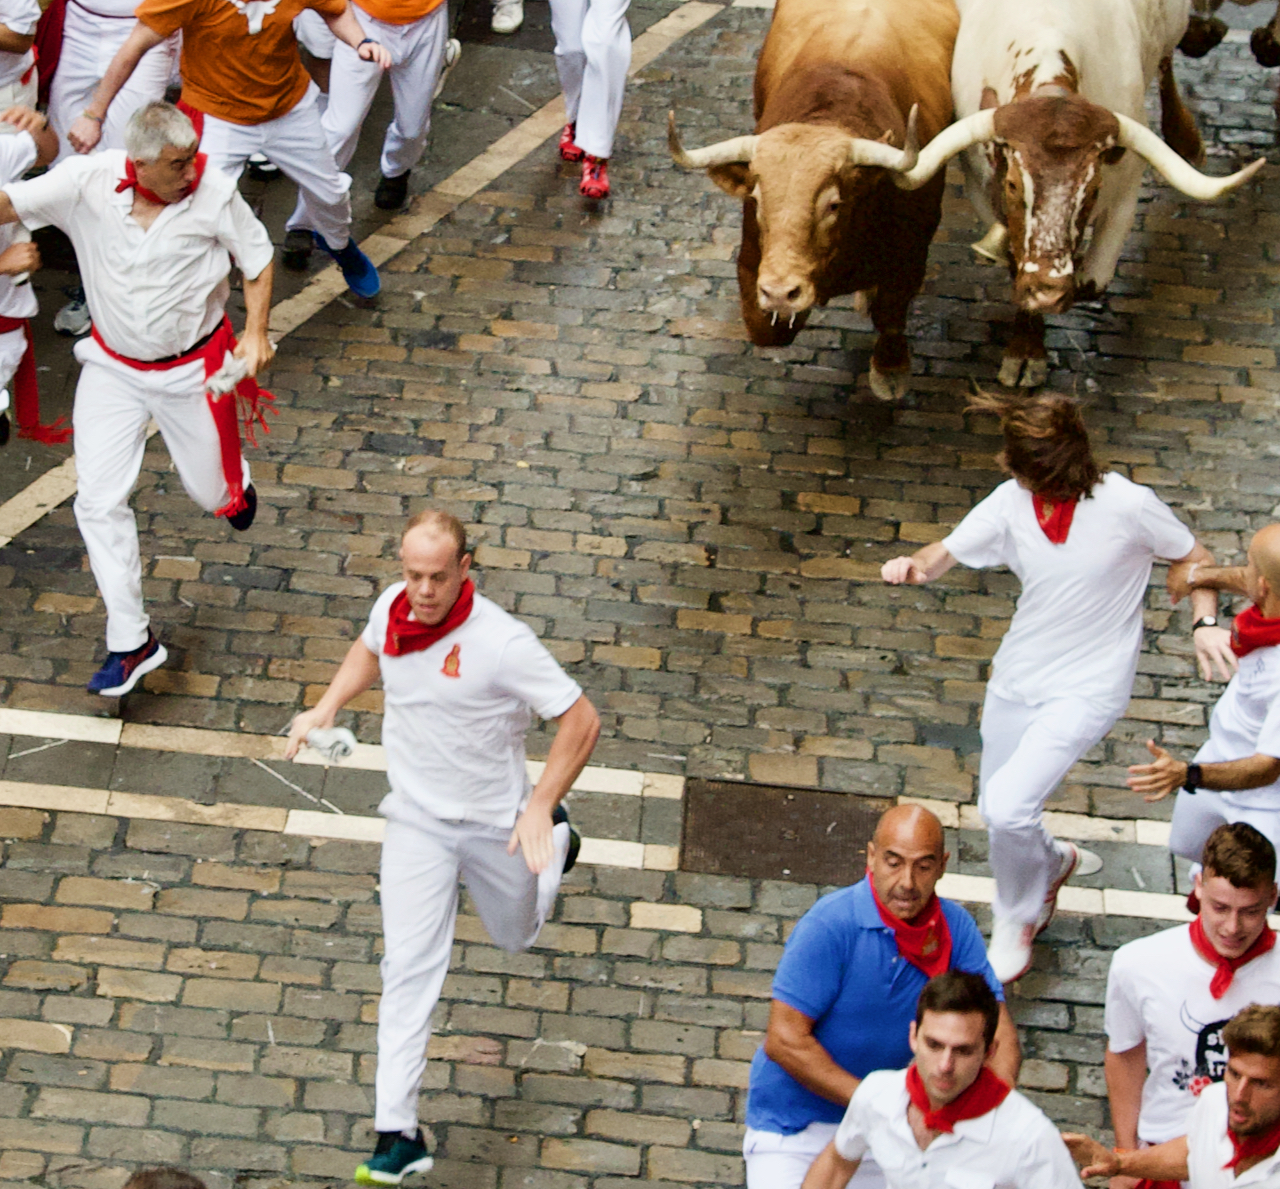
<point>784,296</point>
<point>1045,299</point>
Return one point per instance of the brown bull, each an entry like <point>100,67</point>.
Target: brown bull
<point>840,85</point>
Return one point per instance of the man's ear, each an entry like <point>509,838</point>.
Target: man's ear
<point>734,178</point>
<point>911,1036</point>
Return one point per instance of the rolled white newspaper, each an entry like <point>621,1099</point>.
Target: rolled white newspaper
<point>334,743</point>
<point>230,374</point>
<point>21,236</point>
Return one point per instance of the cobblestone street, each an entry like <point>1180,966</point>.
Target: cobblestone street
<point>695,527</point>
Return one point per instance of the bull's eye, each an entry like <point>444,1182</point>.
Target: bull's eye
<point>833,205</point>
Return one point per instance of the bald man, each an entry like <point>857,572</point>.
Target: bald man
<point>1235,776</point>
<point>845,994</point>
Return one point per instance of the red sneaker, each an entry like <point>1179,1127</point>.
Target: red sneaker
<point>568,150</point>
<point>595,177</point>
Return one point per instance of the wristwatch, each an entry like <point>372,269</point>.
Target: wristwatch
<point>1205,621</point>
<point>1195,778</point>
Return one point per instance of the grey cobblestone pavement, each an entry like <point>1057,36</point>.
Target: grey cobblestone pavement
<point>694,526</point>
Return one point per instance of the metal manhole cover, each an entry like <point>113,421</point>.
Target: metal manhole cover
<point>762,831</point>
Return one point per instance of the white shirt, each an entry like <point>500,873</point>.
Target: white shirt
<point>1209,1148</point>
<point>154,292</point>
<point>1012,1147</point>
<point>1077,628</point>
<point>455,714</point>
<point>1246,721</point>
<point>21,17</point>
<point>1158,992</point>
<point>17,155</point>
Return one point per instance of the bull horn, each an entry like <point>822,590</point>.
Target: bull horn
<point>740,148</point>
<point>875,152</point>
<point>1174,169</point>
<point>963,134</point>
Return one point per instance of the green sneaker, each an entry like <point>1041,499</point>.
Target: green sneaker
<point>394,1159</point>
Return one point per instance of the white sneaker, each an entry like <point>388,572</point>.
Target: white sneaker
<point>452,52</point>
<point>73,318</point>
<point>1073,860</point>
<point>1009,951</point>
<point>508,16</point>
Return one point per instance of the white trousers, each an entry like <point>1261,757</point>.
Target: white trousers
<point>18,92</point>
<point>13,346</point>
<point>113,405</point>
<point>1196,816</point>
<point>423,858</point>
<point>777,1161</point>
<point>88,44</point>
<point>296,143</point>
<point>1026,751</point>
<point>593,52</point>
<point>313,34</point>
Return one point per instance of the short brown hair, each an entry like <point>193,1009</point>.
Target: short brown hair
<point>964,993</point>
<point>1254,1029</point>
<point>1241,855</point>
<point>163,1176</point>
<point>1045,442</point>
<point>444,523</point>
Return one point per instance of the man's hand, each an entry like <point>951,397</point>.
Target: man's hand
<point>84,134</point>
<point>1124,1182</point>
<point>1157,780</point>
<point>24,119</point>
<point>1094,1160</point>
<point>304,723</point>
<point>532,834</point>
<point>902,570</point>
<point>255,349</point>
<point>19,258</point>
<point>372,51</point>
<point>1213,648</point>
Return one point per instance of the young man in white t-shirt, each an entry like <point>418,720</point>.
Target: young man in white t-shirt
<point>1232,1135</point>
<point>1235,776</point>
<point>461,680</point>
<point>1082,544</point>
<point>1169,995</point>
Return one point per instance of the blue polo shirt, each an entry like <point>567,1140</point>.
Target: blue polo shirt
<point>842,969</point>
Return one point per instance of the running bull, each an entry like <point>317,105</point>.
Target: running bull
<point>842,87</point>
<point>1049,100</point>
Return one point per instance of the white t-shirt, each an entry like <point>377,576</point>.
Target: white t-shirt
<point>1078,624</point>
<point>1158,991</point>
<point>1209,1148</point>
<point>20,17</point>
<point>1012,1147</point>
<point>154,292</point>
<point>1246,721</point>
<point>17,155</point>
<point>456,713</point>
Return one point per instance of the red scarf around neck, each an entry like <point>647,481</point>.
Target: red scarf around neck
<point>130,182</point>
<point>1253,630</point>
<point>1227,967</point>
<point>406,634</point>
<point>1054,517</point>
<point>986,1093</point>
<point>926,942</point>
<point>1248,1147</point>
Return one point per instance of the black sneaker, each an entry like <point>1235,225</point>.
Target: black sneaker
<point>262,170</point>
<point>4,428</point>
<point>561,814</point>
<point>392,192</point>
<point>244,518</point>
<point>394,1159</point>
<point>297,250</point>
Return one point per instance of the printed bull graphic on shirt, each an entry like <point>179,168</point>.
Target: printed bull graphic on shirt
<point>1211,1055</point>
<point>255,12</point>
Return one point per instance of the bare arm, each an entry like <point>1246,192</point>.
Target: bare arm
<point>346,28</point>
<point>922,566</point>
<point>791,1044</point>
<point>1162,1162</point>
<point>7,213</point>
<point>1126,1074</point>
<point>1006,1055</point>
<point>1164,774</point>
<point>358,671</point>
<point>254,346</point>
<point>15,43</point>
<point>1212,644</point>
<point>1210,577</point>
<point>85,133</point>
<point>830,1170</point>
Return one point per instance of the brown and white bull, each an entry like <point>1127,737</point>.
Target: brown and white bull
<point>841,88</point>
<point>1050,117</point>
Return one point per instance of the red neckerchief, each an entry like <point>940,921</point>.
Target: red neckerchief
<point>130,182</point>
<point>1227,967</point>
<point>406,634</point>
<point>1253,630</point>
<point>1054,517</point>
<point>986,1093</point>
<point>1246,1147</point>
<point>926,942</point>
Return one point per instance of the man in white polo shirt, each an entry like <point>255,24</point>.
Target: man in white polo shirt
<point>1232,1137</point>
<point>947,1120</point>
<point>461,679</point>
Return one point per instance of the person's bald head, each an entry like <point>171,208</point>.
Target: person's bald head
<point>434,561</point>
<point>1264,564</point>
<point>905,859</point>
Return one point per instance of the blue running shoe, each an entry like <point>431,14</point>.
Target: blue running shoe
<point>560,814</point>
<point>394,1159</point>
<point>121,670</point>
<point>357,269</point>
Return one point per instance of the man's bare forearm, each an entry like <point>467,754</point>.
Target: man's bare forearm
<point>7,213</point>
<point>1006,1059</point>
<point>576,735</point>
<point>15,43</point>
<point>1161,1162</point>
<point>257,300</point>
<point>1125,1072</point>
<point>121,68</point>
<point>812,1066</point>
<point>1215,578</point>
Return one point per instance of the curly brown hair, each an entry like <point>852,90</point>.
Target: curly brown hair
<point>1046,444</point>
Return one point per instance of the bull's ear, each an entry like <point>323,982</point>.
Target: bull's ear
<point>734,178</point>
<point>1112,156</point>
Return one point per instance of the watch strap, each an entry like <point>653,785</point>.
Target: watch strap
<point>1205,621</point>
<point>1195,778</point>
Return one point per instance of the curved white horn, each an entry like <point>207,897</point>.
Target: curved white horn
<point>955,139</point>
<point>876,152</point>
<point>1174,169</point>
<point>740,148</point>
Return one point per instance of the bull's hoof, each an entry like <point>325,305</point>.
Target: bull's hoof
<point>1202,35</point>
<point>1018,372</point>
<point>994,246</point>
<point>889,386</point>
<point>1266,51</point>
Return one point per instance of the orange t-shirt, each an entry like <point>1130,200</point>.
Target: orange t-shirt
<point>228,72</point>
<point>398,12</point>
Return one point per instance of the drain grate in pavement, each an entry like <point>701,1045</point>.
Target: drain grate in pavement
<point>762,831</point>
